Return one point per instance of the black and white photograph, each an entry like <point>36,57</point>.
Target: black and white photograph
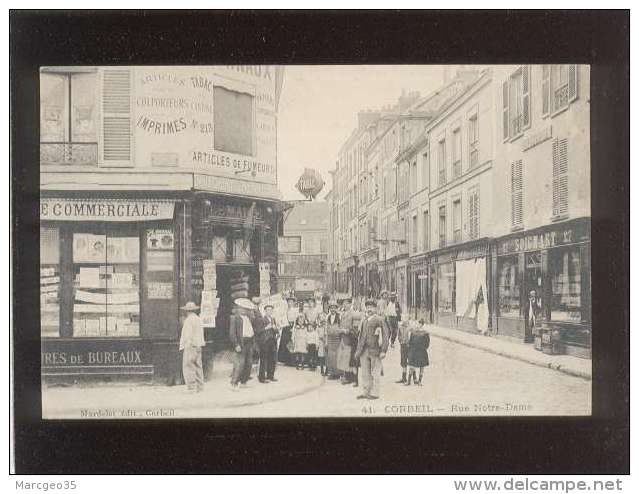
<point>281,237</point>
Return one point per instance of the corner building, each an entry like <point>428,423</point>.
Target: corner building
<point>158,186</point>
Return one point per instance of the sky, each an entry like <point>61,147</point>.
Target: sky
<point>318,111</point>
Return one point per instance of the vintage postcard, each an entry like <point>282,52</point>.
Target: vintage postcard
<point>315,241</point>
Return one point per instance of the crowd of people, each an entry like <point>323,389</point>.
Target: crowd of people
<point>347,340</point>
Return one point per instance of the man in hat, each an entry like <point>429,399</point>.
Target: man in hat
<point>242,336</point>
<point>266,336</point>
<point>371,350</point>
<point>191,343</point>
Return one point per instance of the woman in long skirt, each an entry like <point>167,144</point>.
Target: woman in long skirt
<point>333,337</point>
<point>284,353</point>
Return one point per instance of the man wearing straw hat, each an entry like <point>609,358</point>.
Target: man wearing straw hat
<point>191,343</point>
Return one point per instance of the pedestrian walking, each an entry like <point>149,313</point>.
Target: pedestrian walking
<point>242,338</point>
<point>284,352</point>
<point>382,302</point>
<point>393,312</point>
<point>418,344</point>
<point>299,341</point>
<point>373,342</point>
<point>191,343</point>
<point>403,336</point>
<point>266,338</point>
<point>333,338</point>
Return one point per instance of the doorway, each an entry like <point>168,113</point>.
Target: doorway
<point>533,281</point>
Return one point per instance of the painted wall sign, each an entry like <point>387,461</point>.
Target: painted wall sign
<point>543,240</point>
<point>85,353</point>
<point>192,117</point>
<point>105,210</point>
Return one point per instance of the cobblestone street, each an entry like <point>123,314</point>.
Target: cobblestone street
<point>460,381</point>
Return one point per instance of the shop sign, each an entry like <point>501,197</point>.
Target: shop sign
<point>310,183</point>
<point>539,241</point>
<point>105,210</point>
<point>235,187</point>
<point>102,353</point>
<point>224,210</point>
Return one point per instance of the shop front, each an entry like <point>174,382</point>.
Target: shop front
<point>420,284</point>
<point>109,285</point>
<point>551,266</point>
<point>460,278</point>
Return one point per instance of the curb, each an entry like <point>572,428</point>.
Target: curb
<point>546,365</point>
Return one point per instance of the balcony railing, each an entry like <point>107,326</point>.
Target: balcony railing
<point>561,97</point>
<point>66,153</point>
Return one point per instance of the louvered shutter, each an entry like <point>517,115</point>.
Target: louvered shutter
<point>505,108</point>
<point>559,177</point>
<point>545,90</point>
<point>572,82</point>
<point>525,95</point>
<point>516,193</point>
<point>116,146</point>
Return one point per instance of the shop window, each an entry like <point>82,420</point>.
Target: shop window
<point>106,285</point>
<point>565,272</point>
<point>509,286</point>
<point>50,282</point>
<point>233,128</point>
<point>68,118</point>
<point>445,287</point>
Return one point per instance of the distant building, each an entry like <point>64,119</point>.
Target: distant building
<point>304,247</point>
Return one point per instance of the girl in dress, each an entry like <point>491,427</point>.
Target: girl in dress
<point>418,344</point>
<point>299,340</point>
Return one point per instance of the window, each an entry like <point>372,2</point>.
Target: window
<point>233,121</point>
<point>106,283</point>
<point>457,220</point>
<point>426,226</point>
<point>442,226</point>
<point>516,102</point>
<point>445,287</point>
<point>565,271</point>
<point>516,194</point>
<point>49,282</point>
<point>473,213</point>
<point>559,87</point>
<point>425,170</point>
<point>473,141</point>
<point>441,161</point>
<point>509,285</point>
<point>68,118</point>
<point>415,234</point>
<point>559,177</point>
<point>457,163</point>
<point>413,177</point>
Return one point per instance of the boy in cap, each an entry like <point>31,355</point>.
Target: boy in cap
<point>191,343</point>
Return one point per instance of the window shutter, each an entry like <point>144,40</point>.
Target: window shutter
<point>516,193</point>
<point>525,95</point>
<point>559,177</point>
<point>572,82</point>
<point>545,90</point>
<point>116,148</point>
<point>505,108</point>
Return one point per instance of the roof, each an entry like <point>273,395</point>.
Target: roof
<point>307,216</point>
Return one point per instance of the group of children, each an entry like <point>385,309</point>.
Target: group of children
<point>414,341</point>
<point>308,343</point>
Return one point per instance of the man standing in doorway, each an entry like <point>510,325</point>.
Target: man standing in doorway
<point>371,350</point>
<point>533,312</point>
<point>191,343</point>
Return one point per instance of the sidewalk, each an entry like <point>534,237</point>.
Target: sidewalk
<point>135,400</point>
<point>518,351</point>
